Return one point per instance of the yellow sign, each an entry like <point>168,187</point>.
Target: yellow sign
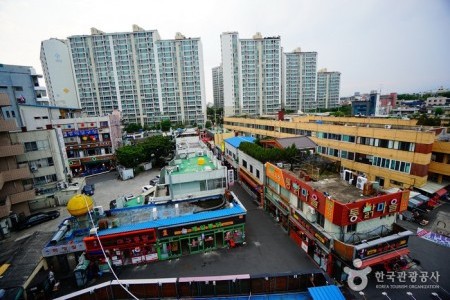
<point>329,209</point>
<point>276,174</point>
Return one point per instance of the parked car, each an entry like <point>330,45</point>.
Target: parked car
<point>154,181</point>
<point>88,189</point>
<point>147,187</point>
<point>39,218</point>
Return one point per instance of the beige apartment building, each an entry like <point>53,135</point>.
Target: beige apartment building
<point>393,152</point>
<point>14,196</point>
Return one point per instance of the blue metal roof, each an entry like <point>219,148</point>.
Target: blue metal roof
<point>237,140</point>
<point>327,292</point>
<point>162,223</point>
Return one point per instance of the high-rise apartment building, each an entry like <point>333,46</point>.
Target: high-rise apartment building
<point>146,78</point>
<point>21,84</point>
<point>299,80</point>
<point>217,79</point>
<point>251,74</point>
<point>328,86</point>
<point>58,73</point>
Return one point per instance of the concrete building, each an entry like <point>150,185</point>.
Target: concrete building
<point>217,80</point>
<point>14,195</point>
<point>146,78</point>
<point>251,74</point>
<point>328,211</point>
<point>328,87</point>
<point>89,143</point>
<point>48,164</point>
<point>21,84</point>
<point>299,80</point>
<point>437,101</point>
<point>58,73</point>
<point>35,117</point>
<point>393,152</point>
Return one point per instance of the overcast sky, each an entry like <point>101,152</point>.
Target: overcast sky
<point>388,45</point>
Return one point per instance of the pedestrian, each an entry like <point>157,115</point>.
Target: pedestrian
<point>51,278</point>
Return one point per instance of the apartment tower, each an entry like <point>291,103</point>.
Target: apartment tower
<point>328,85</point>
<point>299,80</point>
<point>148,79</point>
<point>251,74</point>
<point>217,75</point>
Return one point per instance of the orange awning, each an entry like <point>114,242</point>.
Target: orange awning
<point>248,179</point>
<point>384,257</point>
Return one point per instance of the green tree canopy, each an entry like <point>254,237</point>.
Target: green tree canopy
<point>132,127</point>
<point>165,125</point>
<point>130,156</point>
<point>208,124</point>
<point>438,111</point>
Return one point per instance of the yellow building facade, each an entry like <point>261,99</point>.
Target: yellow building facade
<point>394,152</point>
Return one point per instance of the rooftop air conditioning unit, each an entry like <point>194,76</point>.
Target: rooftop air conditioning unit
<point>387,126</point>
<point>360,182</point>
<point>98,210</point>
<point>280,165</point>
<point>312,210</point>
<point>34,168</point>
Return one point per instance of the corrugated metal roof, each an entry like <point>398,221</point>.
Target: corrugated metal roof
<point>327,292</point>
<point>237,140</point>
<point>301,142</point>
<point>162,223</point>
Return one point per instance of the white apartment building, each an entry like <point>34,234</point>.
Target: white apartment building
<point>251,74</point>
<point>58,73</point>
<point>144,77</point>
<point>328,86</point>
<point>299,80</point>
<point>217,80</point>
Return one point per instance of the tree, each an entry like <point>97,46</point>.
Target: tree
<point>208,124</point>
<point>165,125</point>
<point>132,127</point>
<point>438,111</point>
<point>130,156</point>
<point>156,148</point>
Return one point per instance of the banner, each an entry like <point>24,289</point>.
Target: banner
<point>433,237</point>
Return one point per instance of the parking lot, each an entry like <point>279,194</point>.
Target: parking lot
<point>107,188</point>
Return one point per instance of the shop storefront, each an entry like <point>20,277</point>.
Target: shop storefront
<point>123,248</point>
<point>183,240</point>
<point>311,240</point>
<point>276,208</point>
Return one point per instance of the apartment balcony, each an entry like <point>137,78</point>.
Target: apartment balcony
<point>5,207</point>
<point>22,197</point>
<point>441,147</point>
<point>14,174</point>
<point>4,100</point>
<point>439,168</point>
<point>11,150</point>
<point>8,125</point>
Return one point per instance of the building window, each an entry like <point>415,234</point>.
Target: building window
<point>351,227</point>
<point>251,169</point>
<point>257,174</point>
<point>244,163</point>
<point>320,219</point>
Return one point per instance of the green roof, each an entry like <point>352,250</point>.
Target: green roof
<point>191,165</point>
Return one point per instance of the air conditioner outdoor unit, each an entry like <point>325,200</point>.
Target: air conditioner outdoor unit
<point>360,181</point>
<point>279,165</point>
<point>387,126</point>
<point>34,168</point>
<point>312,210</point>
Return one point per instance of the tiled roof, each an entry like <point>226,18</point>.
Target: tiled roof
<point>301,142</point>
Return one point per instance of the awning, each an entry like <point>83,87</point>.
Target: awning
<point>432,187</point>
<point>413,203</point>
<point>327,292</point>
<point>384,257</point>
<point>248,179</point>
<point>441,192</point>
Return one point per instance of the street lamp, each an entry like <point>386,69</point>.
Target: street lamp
<point>386,295</point>
<point>362,294</point>
<point>434,294</point>
<point>411,295</point>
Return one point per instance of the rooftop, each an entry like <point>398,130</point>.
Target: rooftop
<point>338,189</point>
<point>192,165</point>
<point>237,140</point>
